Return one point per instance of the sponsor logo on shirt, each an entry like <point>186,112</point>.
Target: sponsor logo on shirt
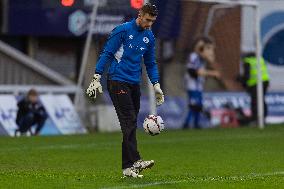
<point>145,40</point>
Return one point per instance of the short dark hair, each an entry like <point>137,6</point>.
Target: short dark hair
<point>32,92</point>
<point>150,9</point>
<point>205,39</point>
<point>248,54</point>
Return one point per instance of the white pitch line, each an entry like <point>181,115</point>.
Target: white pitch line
<point>201,179</point>
<point>144,185</point>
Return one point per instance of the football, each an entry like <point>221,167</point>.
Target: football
<point>153,125</point>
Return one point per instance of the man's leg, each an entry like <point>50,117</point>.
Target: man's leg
<point>121,96</point>
<point>139,165</point>
<point>187,119</point>
<point>40,120</point>
<point>26,122</point>
<point>253,102</point>
<point>196,119</point>
<point>265,87</point>
<point>197,108</point>
<point>189,114</point>
<point>135,96</point>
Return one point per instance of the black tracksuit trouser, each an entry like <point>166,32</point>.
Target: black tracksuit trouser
<point>126,100</point>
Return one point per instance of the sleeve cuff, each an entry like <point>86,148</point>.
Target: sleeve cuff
<point>98,72</point>
<point>155,82</point>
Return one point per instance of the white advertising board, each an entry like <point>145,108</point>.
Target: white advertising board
<point>62,112</point>
<point>8,112</point>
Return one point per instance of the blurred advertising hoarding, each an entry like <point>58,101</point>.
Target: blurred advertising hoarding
<point>174,110</point>
<point>52,18</point>
<point>62,117</point>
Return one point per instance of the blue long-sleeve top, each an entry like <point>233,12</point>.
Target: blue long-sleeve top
<point>125,48</point>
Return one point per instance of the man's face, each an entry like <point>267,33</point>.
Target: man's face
<point>33,98</point>
<point>208,53</point>
<point>146,20</point>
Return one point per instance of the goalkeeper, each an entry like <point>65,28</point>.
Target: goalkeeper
<point>127,44</point>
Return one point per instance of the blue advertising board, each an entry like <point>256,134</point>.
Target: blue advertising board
<point>272,33</point>
<point>51,18</point>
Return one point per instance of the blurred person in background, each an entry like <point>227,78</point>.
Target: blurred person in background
<point>30,112</point>
<point>203,53</point>
<point>249,81</point>
<point>127,44</point>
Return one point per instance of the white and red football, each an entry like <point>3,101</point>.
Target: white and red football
<point>153,125</point>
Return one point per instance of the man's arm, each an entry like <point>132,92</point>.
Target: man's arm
<point>246,74</point>
<point>210,73</point>
<point>192,72</point>
<point>151,64</point>
<point>23,105</point>
<point>152,71</point>
<point>114,42</point>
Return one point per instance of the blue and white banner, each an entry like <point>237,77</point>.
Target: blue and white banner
<point>275,103</point>
<point>8,112</point>
<point>175,109</point>
<point>172,111</point>
<point>62,117</point>
<point>62,113</point>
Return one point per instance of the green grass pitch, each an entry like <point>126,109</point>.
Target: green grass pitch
<point>212,158</point>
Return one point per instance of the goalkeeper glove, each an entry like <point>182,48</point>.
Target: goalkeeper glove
<point>159,94</point>
<point>95,86</point>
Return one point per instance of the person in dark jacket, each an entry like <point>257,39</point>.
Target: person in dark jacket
<point>30,112</point>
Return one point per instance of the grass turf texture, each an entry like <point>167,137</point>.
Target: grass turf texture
<point>213,158</point>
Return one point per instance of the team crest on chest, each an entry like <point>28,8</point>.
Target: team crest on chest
<point>145,40</point>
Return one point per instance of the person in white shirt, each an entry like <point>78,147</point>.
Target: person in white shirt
<point>203,52</point>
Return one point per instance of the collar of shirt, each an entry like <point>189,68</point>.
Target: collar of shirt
<point>135,26</point>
